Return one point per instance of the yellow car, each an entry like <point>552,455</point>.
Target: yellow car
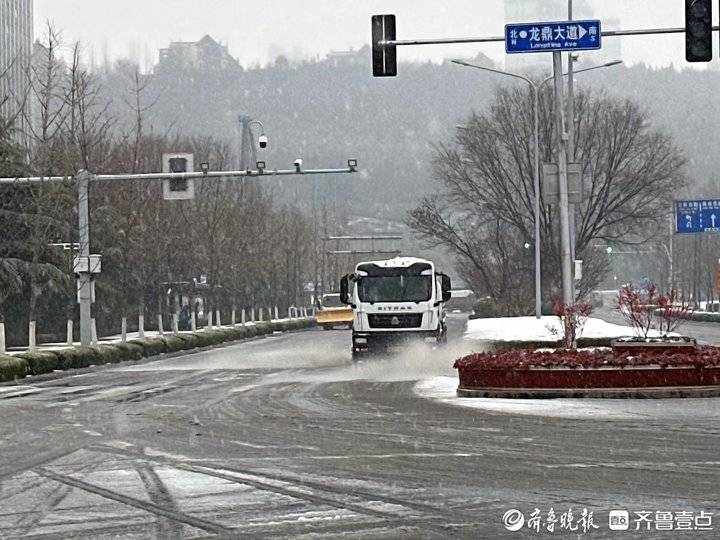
<point>332,312</point>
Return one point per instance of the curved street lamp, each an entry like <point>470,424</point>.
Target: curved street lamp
<point>247,153</point>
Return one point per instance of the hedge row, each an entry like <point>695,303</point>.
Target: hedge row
<point>522,360</point>
<point>39,362</point>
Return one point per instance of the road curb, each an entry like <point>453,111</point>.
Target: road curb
<point>659,392</point>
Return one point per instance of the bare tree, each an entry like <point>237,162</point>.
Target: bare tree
<point>49,99</point>
<point>483,212</point>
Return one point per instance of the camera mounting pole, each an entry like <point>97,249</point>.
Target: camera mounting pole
<point>86,264</point>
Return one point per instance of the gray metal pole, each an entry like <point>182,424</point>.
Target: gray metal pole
<point>180,176</point>
<point>535,88</point>
<point>670,254</point>
<point>566,261</point>
<point>245,162</point>
<point>571,97</point>
<point>536,182</point>
<point>571,140</point>
<point>84,284</point>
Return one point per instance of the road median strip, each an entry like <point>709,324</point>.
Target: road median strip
<point>44,361</point>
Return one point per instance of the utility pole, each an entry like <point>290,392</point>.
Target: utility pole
<point>565,261</point>
<point>571,135</point>
<point>83,268</point>
<point>248,153</point>
<point>246,150</point>
<point>316,269</point>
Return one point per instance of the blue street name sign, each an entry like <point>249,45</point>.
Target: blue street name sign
<point>552,36</point>
<point>698,216</point>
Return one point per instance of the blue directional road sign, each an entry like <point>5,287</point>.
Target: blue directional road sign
<point>697,216</point>
<point>552,36</point>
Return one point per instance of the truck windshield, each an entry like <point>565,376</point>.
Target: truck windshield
<point>331,301</point>
<point>395,288</point>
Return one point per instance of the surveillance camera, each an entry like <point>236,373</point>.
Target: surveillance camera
<point>262,141</point>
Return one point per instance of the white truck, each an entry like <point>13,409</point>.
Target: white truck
<point>395,300</point>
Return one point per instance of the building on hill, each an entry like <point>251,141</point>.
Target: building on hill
<point>351,57</point>
<point>206,54</point>
<point>16,37</point>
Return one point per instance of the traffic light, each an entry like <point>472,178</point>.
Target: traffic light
<point>698,30</point>
<point>178,165</point>
<point>178,188</point>
<point>384,58</point>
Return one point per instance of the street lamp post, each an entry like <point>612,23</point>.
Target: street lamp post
<point>254,122</point>
<point>535,87</point>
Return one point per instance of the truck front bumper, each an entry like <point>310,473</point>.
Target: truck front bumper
<point>365,341</point>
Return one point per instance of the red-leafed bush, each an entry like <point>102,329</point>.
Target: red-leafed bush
<point>653,309</point>
<point>568,358</point>
<point>672,311</point>
<point>572,320</point>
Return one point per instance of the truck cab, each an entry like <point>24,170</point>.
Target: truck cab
<point>395,300</point>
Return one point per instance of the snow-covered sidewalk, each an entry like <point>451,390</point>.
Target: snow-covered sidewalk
<point>544,329</point>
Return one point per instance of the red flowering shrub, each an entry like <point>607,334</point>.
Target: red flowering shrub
<point>672,311</point>
<point>638,309</point>
<point>568,358</point>
<point>572,319</point>
<point>653,309</point>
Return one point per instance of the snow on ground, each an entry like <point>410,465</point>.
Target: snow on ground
<point>532,329</point>
<point>443,390</point>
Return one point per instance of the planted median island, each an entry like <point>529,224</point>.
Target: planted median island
<point>573,355</point>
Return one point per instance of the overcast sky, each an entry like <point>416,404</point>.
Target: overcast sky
<point>256,31</point>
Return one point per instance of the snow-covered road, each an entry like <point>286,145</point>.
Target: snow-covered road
<point>284,437</point>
